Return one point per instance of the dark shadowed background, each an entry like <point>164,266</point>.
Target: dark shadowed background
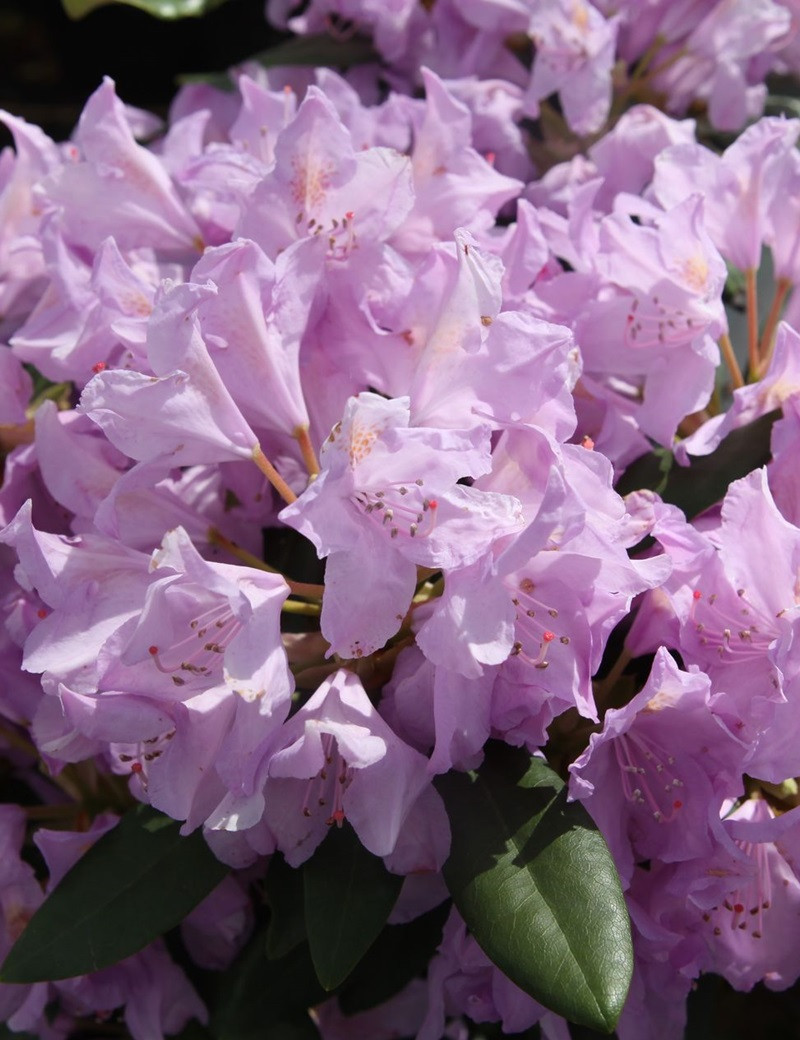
<point>50,64</point>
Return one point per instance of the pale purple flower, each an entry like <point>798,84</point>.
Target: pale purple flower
<point>387,500</point>
<point>737,618</point>
<point>191,415</point>
<point>336,759</point>
<point>140,204</point>
<point>656,776</point>
<point>573,57</point>
<point>320,186</point>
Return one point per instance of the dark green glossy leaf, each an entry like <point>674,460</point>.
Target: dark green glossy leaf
<point>349,894</point>
<point>694,488</point>
<point>319,49</point>
<point>262,999</point>
<point>399,954</point>
<point>166,9</point>
<point>533,878</point>
<point>287,923</point>
<point>138,881</point>
<point>314,49</point>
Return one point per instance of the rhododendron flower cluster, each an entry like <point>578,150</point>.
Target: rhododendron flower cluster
<point>329,421</point>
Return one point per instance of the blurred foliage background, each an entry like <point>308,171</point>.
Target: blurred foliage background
<point>49,64</point>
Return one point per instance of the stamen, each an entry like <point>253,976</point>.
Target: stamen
<point>195,654</point>
<point>529,629</point>
<point>329,784</point>
<point>400,507</point>
<point>656,784</point>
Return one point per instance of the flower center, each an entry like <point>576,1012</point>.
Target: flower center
<point>401,508</point>
<point>533,625</point>
<point>735,634</point>
<point>651,324</point>
<point>199,654</point>
<point>648,778</point>
<point>136,758</point>
<point>743,911</point>
<point>325,791</point>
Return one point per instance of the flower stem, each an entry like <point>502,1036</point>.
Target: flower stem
<point>294,606</point>
<point>725,345</point>
<point>66,811</point>
<point>298,588</point>
<point>272,475</point>
<point>603,687</point>
<point>766,346</point>
<point>307,450</point>
<point>752,323</point>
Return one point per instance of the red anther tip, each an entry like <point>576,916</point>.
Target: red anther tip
<point>349,214</point>
<point>336,817</point>
<point>41,613</point>
<point>490,158</point>
<point>739,908</point>
<point>136,767</point>
<point>99,366</point>
<point>677,805</point>
<point>548,637</point>
<point>587,443</point>
<point>153,650</point>
<point>433,504</point>
<point>697,594</point>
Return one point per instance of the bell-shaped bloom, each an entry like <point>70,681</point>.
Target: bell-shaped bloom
<point>749,931</point>
<point>336,759</point>
<point>454,186</point>
<point>140,204</point>
<point>479,363</point>
<point>737,620</point>
<point>574,54</point>
<point>539,604</point>
<point>321,186</point>
<point>21,260</point>
<point>89,587</point>
<point>388,499</point>
<point>253,325</point>
<point>743,180</point>
<point>656,776</point>
<point>185,412</point>
<point>193,684</point>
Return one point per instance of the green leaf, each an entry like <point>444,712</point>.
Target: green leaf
<point>135,883</point>
<point>314,49</point>
<point>287,923</point>
<point>262,999</point>
<point>696,487</point>
<point>319,49</point>
<point>349,894</point>
<point>536,885</point>
<point>399,954</point>
<point>166,9</point>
